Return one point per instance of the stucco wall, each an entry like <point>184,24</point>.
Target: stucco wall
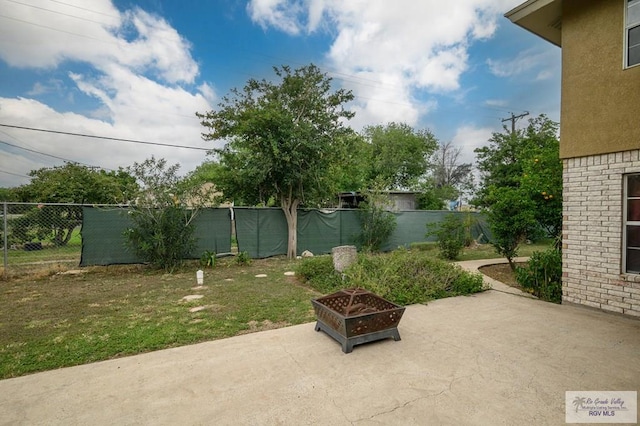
<point>592,233</point>
<point>600,99</point>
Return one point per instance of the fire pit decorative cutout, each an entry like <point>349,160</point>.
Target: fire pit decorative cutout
<point>356,316</point>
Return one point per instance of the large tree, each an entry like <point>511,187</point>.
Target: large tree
<point>74,183</point>
<point>399,155</point>
<point>281,140</point>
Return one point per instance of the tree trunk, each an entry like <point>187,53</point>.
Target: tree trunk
<point>290,208</point>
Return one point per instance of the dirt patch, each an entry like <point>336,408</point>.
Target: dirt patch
<point>503,273</point>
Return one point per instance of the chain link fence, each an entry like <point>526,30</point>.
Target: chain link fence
<point>40,236</point>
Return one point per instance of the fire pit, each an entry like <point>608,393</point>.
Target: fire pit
<point>355,316</point>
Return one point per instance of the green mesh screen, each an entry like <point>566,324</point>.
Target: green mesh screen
<point>261,232</point>
<point>103,241</point>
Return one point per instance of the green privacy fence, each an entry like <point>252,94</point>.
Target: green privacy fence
<point>261,232</point>
<point>104,243</point>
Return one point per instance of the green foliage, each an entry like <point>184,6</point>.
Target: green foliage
<point>522,184</point>
<point>162,237</point>
<point>46,223</point>
<point>243,258</point>
<point>162,232</point>
<point>281,140</point>
<point>429,198</point>
<point>543,275</point>
<point>376,223</point>
<point>450,234</point>
<point>398,154</point>
<point>319,273</point>
<point>8,194</point>
<point>208,259</point>
<point>511,219</point>
<point>71,183</point>
<point>401,276</point>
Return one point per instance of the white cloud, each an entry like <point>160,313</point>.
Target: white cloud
<point>390,50</point>
<point>134,64</point>
<point>526,61</point>
<point>275,13</point>
<point>496,102</point>
<point>77,34</point>
<point>469,138</point>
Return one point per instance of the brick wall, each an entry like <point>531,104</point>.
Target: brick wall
<point>592,233</point>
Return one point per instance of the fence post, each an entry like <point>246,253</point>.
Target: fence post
<point>4,236</point>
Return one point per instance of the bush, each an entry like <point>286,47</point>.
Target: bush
<point>402,277</point>
<point>243,258</point>
<point>543,275</point>
<point>450,234</point>
<point>162,237</point>
<point>376,223</point>
<point>319,273</point>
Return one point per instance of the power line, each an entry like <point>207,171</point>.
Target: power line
<point>15,174</point>
<point>84,8</point>
<point>59,132</point>
<point>48,155</point>
<point>55,11</point>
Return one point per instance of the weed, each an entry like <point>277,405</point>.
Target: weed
<point>243,258</point>
<point>208,259</point>
<point>543,275</point>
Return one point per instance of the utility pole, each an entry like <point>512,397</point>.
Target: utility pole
<point>513,120</point>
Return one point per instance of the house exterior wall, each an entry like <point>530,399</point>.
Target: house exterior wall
<point>599,111</point>
<point>592,233</point>
<point>599,142</point>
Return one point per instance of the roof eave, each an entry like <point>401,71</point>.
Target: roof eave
<point>540,17</point>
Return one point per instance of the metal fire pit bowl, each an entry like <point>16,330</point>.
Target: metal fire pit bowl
<point>356,316</point>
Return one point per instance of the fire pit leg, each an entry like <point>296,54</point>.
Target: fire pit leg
<point>347,346</point>
<point>348,343</point>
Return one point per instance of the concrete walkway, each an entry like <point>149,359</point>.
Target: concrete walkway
<point>492,358</point>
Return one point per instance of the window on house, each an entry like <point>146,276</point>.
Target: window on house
<point>632,33</point>
<point>631,239</point>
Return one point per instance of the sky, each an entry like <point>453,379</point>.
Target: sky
<point>140,70</point>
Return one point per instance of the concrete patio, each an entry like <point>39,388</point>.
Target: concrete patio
<point>493,358</point>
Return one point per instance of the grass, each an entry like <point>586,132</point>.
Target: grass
<point>486,251</point>
<point>105,312</point>
<point>50,318</point>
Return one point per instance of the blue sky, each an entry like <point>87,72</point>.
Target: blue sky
<point>140,70</point>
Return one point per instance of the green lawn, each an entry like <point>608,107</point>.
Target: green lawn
<point>486,251</point>
<point>54,319</point>
<point>106,312</point>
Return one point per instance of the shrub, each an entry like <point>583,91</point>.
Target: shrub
<point>243,258</point>
<point>512,220</point>
<point>543,275</point>
<point>450,234</point>
<point>319,273</point>
<point>376,223</point>
<point>161,237</point>
<point>208,259</point>
<point>402,277</point>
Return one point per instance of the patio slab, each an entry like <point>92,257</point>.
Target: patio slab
<point>492,358</point>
